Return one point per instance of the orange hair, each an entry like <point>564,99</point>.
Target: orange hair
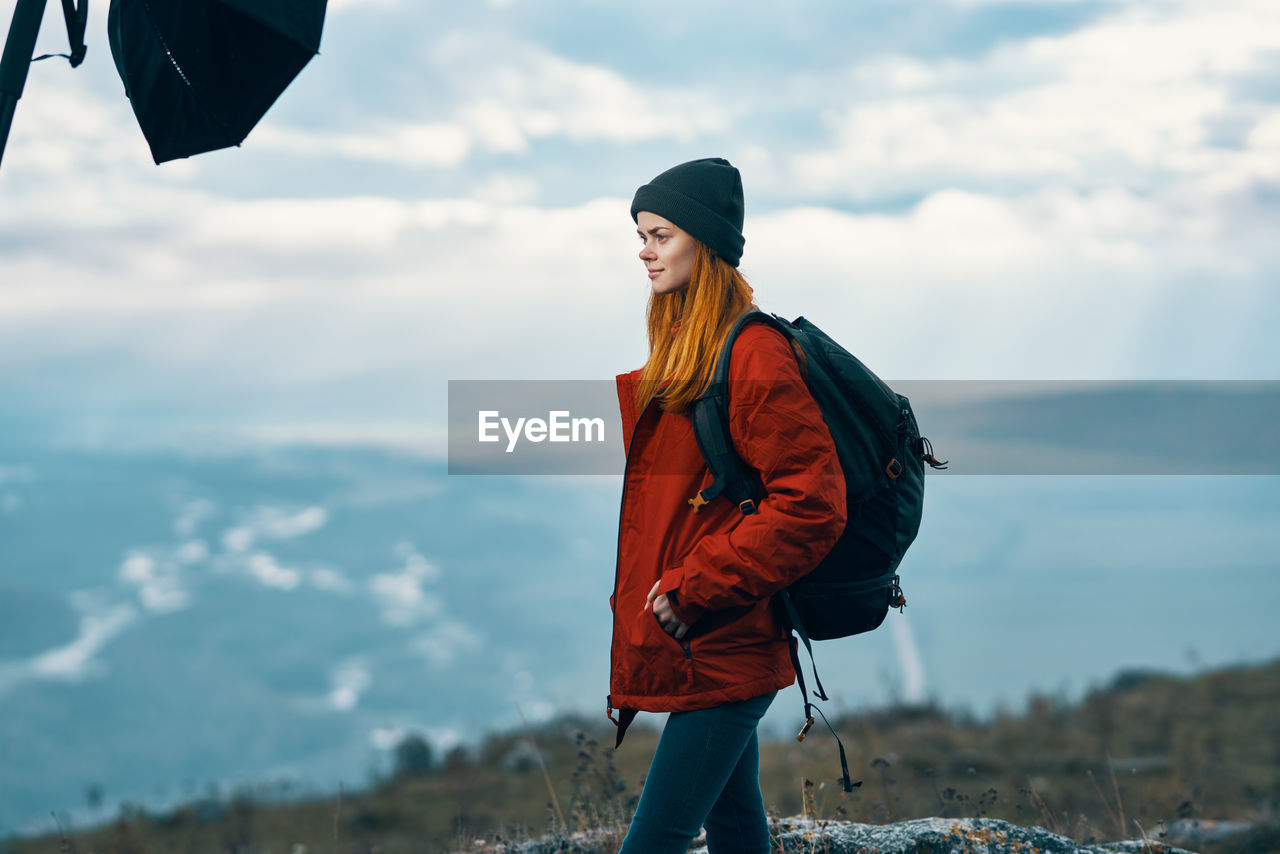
<point>687,328</point>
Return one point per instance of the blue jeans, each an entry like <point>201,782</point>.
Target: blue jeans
<point>706,770</point>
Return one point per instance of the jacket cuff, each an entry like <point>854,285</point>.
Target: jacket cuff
<point>686,612</point>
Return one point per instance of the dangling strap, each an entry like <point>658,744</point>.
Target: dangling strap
<point>793,617</point>
<point>76,18</point>
<point>622,721</point>
<point>845,782</point>
<point>809,708</point>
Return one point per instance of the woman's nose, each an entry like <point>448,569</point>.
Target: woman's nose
<point>646,252</point>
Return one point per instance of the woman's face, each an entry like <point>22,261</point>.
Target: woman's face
<point>667,252</point>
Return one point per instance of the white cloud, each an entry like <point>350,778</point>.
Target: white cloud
<point>420,144</point>
<point>286,526</point>
<point>443,642</point>
<point>977,3</point>
<point>330,580</point>
<point>75,661</point>
<point>192,551</point>
<point>526,93</point>
<point>162,598</point>
<point>340,6</point>
<point>61,127</point>
<point>192,514</point>
<point>429,440</point>
<point>540,711</point>
<point>506,190</point>
<point>349,681</point>
<point>1011,287</point>
<point>1127,99</point>
<point>267,570</point>
<point>1001,285</point>
<point>510,96</point>
<point>415,563</point>
<point>238,539</point>
<point>1265,139</point>
<point>1064,189</point>
<point>441,739</point>
<point>156,574</point>
<point>286,227</point>
<point>401,595</point>
<point>387,737</point>
<point>273,523</point>
<point>311,325</point>
<point>138,568</point>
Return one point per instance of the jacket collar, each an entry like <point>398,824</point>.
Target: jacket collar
<point>627,385</point>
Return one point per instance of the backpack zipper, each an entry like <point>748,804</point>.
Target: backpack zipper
<point>869,416</point>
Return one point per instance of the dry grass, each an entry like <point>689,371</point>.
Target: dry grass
<point>1120,764</point>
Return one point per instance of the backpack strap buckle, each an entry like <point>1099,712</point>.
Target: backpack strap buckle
<point>893,468</point>
<point>747,506</point>
<point>697,501</point>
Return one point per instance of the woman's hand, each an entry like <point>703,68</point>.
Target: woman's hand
<point>661,607</point>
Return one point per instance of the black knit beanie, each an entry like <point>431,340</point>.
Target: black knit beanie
<point>703,197</point>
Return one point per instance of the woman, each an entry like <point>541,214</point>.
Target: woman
<point>693,631</point>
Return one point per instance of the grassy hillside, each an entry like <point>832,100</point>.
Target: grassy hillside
<point>1147,750</point>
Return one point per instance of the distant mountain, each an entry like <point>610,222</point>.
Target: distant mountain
<point>1125,428</point>
<point>171,622</point>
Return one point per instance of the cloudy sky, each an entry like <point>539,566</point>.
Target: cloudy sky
<point>954,188</point>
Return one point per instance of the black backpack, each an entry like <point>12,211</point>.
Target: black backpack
<point>882,455</point>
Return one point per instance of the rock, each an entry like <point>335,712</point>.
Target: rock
<point>922,836</point>
<point>1189,831</point>
<point>938,836</point>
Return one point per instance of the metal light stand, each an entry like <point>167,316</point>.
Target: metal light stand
<point>21,43</point>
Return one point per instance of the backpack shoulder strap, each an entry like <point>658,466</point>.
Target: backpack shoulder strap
<point>710,416</point>
<point>735,479</point>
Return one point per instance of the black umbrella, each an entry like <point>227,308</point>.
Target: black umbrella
<point>201,73</point>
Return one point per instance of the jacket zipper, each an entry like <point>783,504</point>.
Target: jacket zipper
<point>617,563</point>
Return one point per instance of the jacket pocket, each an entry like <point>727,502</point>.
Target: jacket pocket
<point>684,644</point>
<point>729,631</point>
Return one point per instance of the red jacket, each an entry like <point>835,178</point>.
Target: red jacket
<point>719,566</point>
